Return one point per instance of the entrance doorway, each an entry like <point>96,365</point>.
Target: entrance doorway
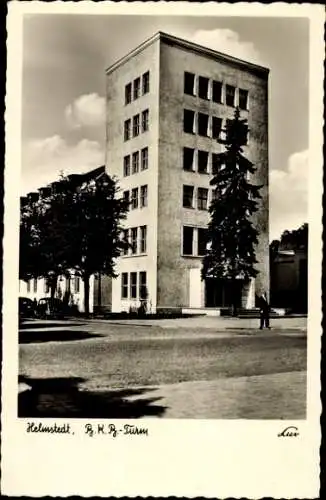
<point>222,293</point>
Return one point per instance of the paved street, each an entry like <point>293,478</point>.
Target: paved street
<point>182,368</point>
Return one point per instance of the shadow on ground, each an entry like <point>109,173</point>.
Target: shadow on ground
<point>37,336</point>
<point>62,398</point>
<point>44,324</point>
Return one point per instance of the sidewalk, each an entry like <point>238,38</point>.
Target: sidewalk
<point>273,396</point>
<point>211,323</point>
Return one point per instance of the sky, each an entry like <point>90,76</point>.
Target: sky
<point>63,92</point>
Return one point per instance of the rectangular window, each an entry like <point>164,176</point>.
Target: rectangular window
<point>230,95</point>
<point>189,83</point>
<point>136,88</point>
<point>135,162</point>
<point>202,241</point>
<point>35,285</point>
<point>28,286</point>
<point>144,159</point>
<point>126,196</point>
<point>127,130</point>
<point>188,158</point>
<point>216,127</point>
<point>135,125</point>
<point>128,93</point>
<point>217,91</point>
<point>202,199</point>
<point>203,87</point>
<point>215,163</point>
<point>202,162</point>
<point>76,284</point>
<point>143,196</point>
<point>187,240</point>
<point>146,82</point>
<point>46,286</point>
<point>243,99</point>
<point>133,240</point>
<point>143,239</point>
<point>125,239</point>
<point>145,120</point>
<point>134,198</point>
<point>133,285</point>
<point>214,194</point>
<point>202,124</point>
<point>126,165</point>
<point>142,285</point>
<point>189,121</point>
<point>124,285</point>
<point>188,196</point>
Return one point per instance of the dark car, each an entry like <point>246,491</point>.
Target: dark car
<point>26,307</point>
<point>50,308</point>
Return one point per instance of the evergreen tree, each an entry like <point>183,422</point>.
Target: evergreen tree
<point>232,237</point>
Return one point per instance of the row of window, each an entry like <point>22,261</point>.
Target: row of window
<point>194,241</point>
<point>137,197</point>
<point>205,125</point>
<point>197,160</point>
<point>137,239</point>
<point>192,194</point>
<point>74,285</point>
<point>139,123</point>
<point>140,86</point>
<point>131,283</point>
<point>132,163</point>
<point>216,91</point>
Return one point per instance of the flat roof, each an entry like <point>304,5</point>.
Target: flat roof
<point>193,47</point>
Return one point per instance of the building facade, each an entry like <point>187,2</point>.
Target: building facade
<point>167,103</point>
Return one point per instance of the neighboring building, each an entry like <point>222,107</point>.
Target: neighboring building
<point>289,280</point>
<point>167,102</point>
<point>70,284</point>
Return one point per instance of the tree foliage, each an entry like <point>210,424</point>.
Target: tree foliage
<point>296,239</point>
<point>231,234</point>
<point>73,227</point>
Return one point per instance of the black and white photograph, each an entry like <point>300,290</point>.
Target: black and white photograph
<point>163,206</point>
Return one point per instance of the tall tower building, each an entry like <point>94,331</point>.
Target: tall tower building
<point>167,103</point>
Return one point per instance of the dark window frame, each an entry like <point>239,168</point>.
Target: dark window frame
<point>203,87</point>
<point>187,84</point>
<point>187,240</point>
<point>200,155</point>
<point>202,198</point>
<point>186,196</point>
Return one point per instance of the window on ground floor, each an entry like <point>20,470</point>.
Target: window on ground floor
<point>142,285</point>
<point>124,285</point>
<point>133,285</point>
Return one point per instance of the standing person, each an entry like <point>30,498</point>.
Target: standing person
<point>264,311</point>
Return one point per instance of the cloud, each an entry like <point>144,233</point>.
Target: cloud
<point>44,159</point>
<point>289,195</point>
<point>228,42</point>
<point>86,111</point>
